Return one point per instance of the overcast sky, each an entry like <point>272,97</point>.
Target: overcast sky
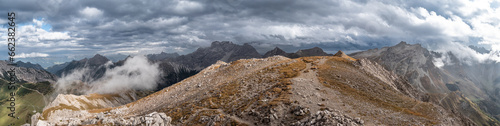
<point>70,28</point>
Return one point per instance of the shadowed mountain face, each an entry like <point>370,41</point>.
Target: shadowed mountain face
<point>223,51</point>
<point>55,68</point>
<point>29,65</point>
<point>181,67</point>
<point>94,64</point>
<point>176,68</point>
<point>454,81</point>
<point>275,51</point>
<point>162,56</point>
<point>316,51</point>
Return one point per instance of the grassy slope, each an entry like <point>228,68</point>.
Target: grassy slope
<point>27,101</point>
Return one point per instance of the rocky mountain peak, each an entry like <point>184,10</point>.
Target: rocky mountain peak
<point>98,60</point>
<point>340,54</point>
<point>221,43</point>
<point>343,55</point>
<point>162,56</point>
<point>402,43</point>
<point>316,51</point>
<point>275,51</point>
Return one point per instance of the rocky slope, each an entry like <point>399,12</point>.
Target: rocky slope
<point>455,84</point>
<point>326,90</point>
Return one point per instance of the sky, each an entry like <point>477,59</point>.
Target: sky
<point>55,31</point>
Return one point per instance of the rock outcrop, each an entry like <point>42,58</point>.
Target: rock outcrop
<point>330,118</point>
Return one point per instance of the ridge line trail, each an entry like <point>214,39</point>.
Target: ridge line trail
<point>309,91</point>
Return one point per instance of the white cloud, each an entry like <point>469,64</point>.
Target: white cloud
<point>91,12</point>
<point>54,36</point>
<point>136,73</point>
<point>33,35</point>
<point>38,23</point>
<point>31,55</point>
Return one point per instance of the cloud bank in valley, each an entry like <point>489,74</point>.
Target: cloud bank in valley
<point>137,73</point>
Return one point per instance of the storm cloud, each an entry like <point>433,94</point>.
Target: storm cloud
<point>67,28</point>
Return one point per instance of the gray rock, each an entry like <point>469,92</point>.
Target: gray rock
<point>329,118</point>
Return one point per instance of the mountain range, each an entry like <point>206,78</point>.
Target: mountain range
<point>176,68</point>
<point>231,84</point>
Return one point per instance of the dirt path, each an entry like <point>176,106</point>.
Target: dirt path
<point>310,92</point>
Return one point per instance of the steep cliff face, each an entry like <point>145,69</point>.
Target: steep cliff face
<point>325,90</point>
